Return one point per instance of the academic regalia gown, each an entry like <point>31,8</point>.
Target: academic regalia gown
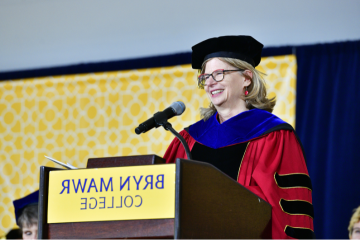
<point>271,164</point>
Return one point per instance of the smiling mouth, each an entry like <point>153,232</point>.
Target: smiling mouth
<point>216,92</point>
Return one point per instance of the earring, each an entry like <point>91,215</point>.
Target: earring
<point>246,91</point>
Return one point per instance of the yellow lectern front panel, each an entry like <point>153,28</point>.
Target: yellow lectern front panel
<point>108,194</point>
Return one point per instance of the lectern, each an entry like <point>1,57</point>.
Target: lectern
<point>208,204</point>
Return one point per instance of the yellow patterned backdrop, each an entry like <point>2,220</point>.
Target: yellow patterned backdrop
<point>75,117</point>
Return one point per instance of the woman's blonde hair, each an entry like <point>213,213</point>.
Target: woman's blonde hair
<point>355,218</point>
<point>257,89</point>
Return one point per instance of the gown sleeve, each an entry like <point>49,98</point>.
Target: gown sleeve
<point>176,149</point>
<point>274,168</point>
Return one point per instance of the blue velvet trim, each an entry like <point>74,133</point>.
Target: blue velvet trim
<point>240,128</point>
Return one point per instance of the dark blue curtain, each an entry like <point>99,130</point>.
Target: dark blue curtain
<point>328,124</point>
<point>138,63</point>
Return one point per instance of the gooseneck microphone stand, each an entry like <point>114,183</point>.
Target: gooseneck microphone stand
<point>160,120</point>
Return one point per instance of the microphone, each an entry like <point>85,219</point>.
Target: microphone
<point>175,109</point>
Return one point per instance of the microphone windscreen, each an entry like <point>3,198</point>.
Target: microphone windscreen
<point>179,107</point>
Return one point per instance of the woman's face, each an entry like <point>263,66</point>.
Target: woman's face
<point>228,92</point>
<point>356,231</point>
<point>30,232</point>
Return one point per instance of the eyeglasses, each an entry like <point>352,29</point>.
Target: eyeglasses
<point>217,75</point>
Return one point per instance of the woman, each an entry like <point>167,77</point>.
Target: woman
<point>354,225</point>
<point>239,135</point>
